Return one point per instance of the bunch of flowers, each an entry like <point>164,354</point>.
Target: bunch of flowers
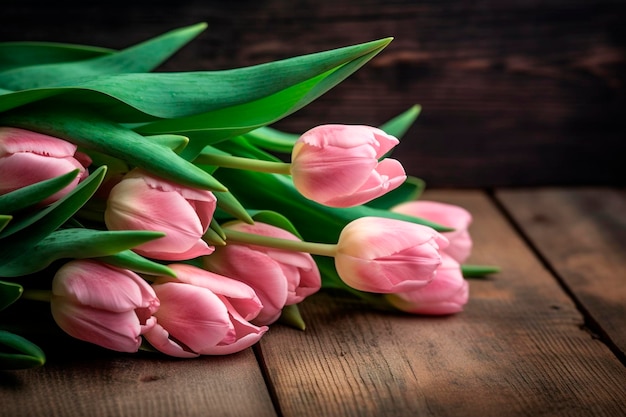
<point>155,210</point>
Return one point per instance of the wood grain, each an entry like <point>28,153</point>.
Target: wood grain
<point>519,349</point>
<point>513,93</point>
<point>82,380</point>
<point>581,233</point>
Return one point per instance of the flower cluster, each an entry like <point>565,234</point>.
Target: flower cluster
<point>165,220</point>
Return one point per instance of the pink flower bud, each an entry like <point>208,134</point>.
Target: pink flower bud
<point>387,256</point>
<point>203,313</point>
<point>447,215</point>
<point>144,202</point>
<point>338,165</point>
<point>102,304</point>
<point>446,294</point>
<point>279,277</point>
<point>28,157</point>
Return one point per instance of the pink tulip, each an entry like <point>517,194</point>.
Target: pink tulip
<point>102,304</point>
<point>387,256</point>
<point>279,277</point>
<point>447,215</point>
<point>338,165</point>
<point>203,313</point>
<point>446,294</point>
<point>28,157</point>
<point>144,202</point>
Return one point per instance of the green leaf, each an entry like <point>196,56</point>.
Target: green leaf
<point>22,54</point>
<point>272,139</point>
<point>4,220</point>
<point>91,131</point>
<point>213,126</point>
<point>140,58</point>
<point>9,293</point>
<point>130,260</point>
<point>17,352</point>
<point>478,271</point>
<point>410,190</point>
<point>275,219</point>
<point>74,244</point>
<point>136,98</point>
<point>28,231</point>
<point>290,316</point>
<point>400,124</point>
<point>34,193</point>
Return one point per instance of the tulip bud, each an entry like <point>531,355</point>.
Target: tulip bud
<point>141,201</point>
<point>446,294</point>
<point>279,277</point>
<point>448,215</point>
<point>102,304</point>
<point>387,256</point>
<point>203,313</point>
<point>338,165</point>
<point>28,157</point>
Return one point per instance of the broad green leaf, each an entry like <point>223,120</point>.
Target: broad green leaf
<point>9,293</point>
<point>272,139</point>
<point>207,128</point>
<point>34,193</point>
<point>135,98</point>
<point>17,352</point>
<point>91,131</point>
<point>15,240</point>
<point>74,244</point>
<point>175,142</point>
<point>25,53</point>
<point>4,220</point>
<point>130,260</point>
<point>139,58</point>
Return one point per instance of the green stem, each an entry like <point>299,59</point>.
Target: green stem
<point>37,295</point>
<point>249,164</point>
<point>323,249</point>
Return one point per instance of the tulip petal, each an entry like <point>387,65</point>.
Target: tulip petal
<point>14,140</point>
<point>193,316</point>
<point>160,339</point>
<point>102,286</point>
<point>246,334</point>
<point>111,330</point>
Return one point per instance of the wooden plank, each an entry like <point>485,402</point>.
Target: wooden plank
<point>581,233</point>
<point>518,349</point>
<point>83,380</point>
<point>507,87</point>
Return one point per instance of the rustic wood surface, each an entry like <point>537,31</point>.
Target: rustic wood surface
<point>513,92</point>
<point>542,337</point>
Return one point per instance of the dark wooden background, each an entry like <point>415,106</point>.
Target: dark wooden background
<point>514,92</point>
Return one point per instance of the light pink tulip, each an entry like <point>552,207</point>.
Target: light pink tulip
<point>28,157</point>
<point>338,165</point>
<point>448,215</point>
<point>102,304</point>
<point>144,202</point>
<point>279,277</point>
<point>446,294</point>
<point>387,256</point>
<point>203,313</point>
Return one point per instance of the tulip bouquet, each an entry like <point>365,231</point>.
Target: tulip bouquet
<point>155,210</point>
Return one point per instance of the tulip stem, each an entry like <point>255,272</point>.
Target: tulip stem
<point>37,295</point>
<point>249,164</point>
<point>323,249</point>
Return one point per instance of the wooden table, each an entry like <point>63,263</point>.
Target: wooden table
<point>545,337</point>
